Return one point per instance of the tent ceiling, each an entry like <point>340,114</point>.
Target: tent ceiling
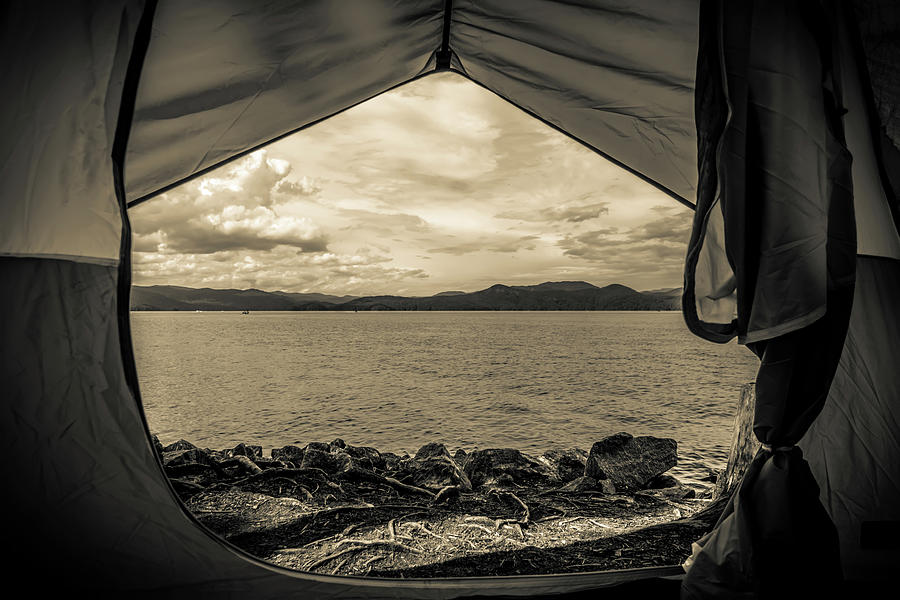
<point>220,78</point>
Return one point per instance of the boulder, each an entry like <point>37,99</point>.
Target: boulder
<point>669,487</point>
<point>393,462</point>
<point>243,449</point>
<point>365,457</point>
<point>330,462</point>
<point>662,481</point>
<point>194,455</point>
<point>432,467</point>
<point>630,462</point>
<point>566,464</point>
<point>459,456</point>
<point>588,484</point>
<point>504,466</point>
<point>179,446</point>
<point>580,484</point>
<point>291,454</point>
<point>432,450</point>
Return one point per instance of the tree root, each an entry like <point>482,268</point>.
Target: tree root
<point>361,545</point>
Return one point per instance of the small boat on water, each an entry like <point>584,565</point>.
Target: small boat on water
<point>245,312</point>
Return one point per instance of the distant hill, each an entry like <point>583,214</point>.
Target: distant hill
<point>173,297</point>
<point>557,295</point>
<point>561,295</point>
<point>673,294</point>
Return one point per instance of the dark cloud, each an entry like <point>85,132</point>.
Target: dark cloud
<point>651,251</point>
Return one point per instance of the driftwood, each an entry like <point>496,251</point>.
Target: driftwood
<point>744,444</point>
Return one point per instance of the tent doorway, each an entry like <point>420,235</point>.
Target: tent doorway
<point>442,198</point>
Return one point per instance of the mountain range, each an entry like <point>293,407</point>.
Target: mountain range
<point>552,295</point>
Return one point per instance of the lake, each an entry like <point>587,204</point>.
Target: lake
<point>398,380</point>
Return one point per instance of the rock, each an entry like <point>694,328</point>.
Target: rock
<point>677,492</point>
<point>239,466</point>
<point>393,462</point>
<point>320,446</point>
<point>337,444</point>
<point>630,462</point>
<point>432,450</point>
<point>459,456</point>
<point>505,480</point>
<point>330,462</point>
<point>291,454</point>
<point>662,481</point>
<point>487,468</point>
<point>712,476</point>
<point>432,467</point>
<point>580,484</point>
<point>588,484</point>
<point>365,457</point>
<point>669,487</point>
<point>179,446</point>
<point>194,455</point>
<point>566,464</point>
<point>744,444</point>
<point>243,449</point>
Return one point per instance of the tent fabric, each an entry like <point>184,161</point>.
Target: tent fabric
<point>62,94</point>
<point>859,423</point>
<point>756,262</point>
<point>783,182</point>
<point>219,80</point>
<point>591,70</point>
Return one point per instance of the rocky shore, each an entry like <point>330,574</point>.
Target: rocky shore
<point>352,510</point>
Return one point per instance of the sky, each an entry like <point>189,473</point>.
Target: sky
<point>435,186</point>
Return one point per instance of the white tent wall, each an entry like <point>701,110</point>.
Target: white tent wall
<point>62,94</point>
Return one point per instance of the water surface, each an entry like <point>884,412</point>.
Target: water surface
<point>397,380</point>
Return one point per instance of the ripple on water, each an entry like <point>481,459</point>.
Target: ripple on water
<point>399,380</point>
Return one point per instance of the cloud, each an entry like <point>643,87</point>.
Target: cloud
<point>433,186</point>
<point>572,213</point>
<point>235,208</point>
<point>653,248</point>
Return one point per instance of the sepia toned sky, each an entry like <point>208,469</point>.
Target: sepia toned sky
<point>438,185</point>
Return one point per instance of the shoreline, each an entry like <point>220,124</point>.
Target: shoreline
<point>340,509</point>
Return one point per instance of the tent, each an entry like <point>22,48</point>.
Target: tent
<point>777,120</point>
